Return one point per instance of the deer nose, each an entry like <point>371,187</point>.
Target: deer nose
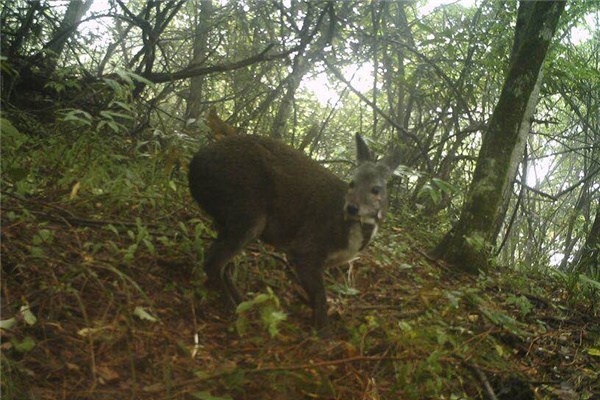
<point>351,209</point>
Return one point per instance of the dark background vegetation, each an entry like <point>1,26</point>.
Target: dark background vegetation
<point>103,105</point>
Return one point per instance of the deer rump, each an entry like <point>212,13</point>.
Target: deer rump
<point>260,188</point>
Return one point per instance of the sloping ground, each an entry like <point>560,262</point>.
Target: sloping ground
<point>112,306</point>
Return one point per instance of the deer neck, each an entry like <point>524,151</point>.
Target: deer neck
<point>358,234</point>
<point>368,227</point>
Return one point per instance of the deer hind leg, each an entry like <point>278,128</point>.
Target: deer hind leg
<point>229,243</point>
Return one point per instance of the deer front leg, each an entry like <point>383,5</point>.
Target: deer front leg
<point>311,279</point>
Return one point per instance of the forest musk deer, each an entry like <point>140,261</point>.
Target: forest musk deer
<point>259,188</point>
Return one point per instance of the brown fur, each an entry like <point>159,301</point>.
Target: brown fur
<point>256,187</point>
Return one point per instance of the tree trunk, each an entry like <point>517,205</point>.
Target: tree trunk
<point>302,64</point>
<point>23,32</point>
<point>299,69</point>
<point>194,104</point>
<point>71,19</point>
<point>525,13</point>
<point>582,202</point>
<point>589,262</point>
<point>468,244</point>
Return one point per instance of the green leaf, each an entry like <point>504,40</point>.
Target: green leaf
<point>444,186</point>
<point>112,228</point>
<point>7,128</point>
<point>272,319</point>
<point>344,289</point>
<point>45,235</point>
<point>499,350</point>
<point>8,323</point>
<point>201,374</point>
<point>142,314</point>
<point>37,251</point>
<point>28,316</point>
<point>593,352</point>
<point>149,245</point>
<point>16,174</point>
<point>589,281</point>
<point>205,395</point>
<point>244,306</point>
<point>114,85</point>
<point>241,325</point>
<point>77,116</point>
<point>24,346</point>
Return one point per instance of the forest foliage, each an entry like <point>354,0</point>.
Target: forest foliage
<point>103,105</point>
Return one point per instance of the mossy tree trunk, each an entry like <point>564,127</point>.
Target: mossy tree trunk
<point>468,245</point>
<point>524,15</point>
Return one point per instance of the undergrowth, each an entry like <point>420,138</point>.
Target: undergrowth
<point>103,297</point>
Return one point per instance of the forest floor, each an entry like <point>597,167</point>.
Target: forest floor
<point>102,311</point>
<point>103,298</point>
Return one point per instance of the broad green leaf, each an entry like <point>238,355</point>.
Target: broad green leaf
<point>8,323</point>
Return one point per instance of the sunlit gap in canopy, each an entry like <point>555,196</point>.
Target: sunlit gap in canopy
<point>327,92</point>
<point>360,76</point>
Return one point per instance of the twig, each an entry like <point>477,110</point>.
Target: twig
<point>433,259</point>
<point>42,203</point>
<point>402,315</point>
<point>488,390</point>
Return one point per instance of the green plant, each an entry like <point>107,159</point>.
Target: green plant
<point>524,305</point>
<point>436,189</point>
<point>267,306</point>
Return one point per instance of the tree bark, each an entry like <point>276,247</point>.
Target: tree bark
<point>71,19</point>
<point>589,262</point>
<point>524,14</point>
<point>468,244</point>
<point>196,96</point>
<point>582,202</point>
<point>301,65</point>
<point>293,80</point>
<point>23,31</point>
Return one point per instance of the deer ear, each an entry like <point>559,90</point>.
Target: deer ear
<point>392,161</point>
<point>363,153</point>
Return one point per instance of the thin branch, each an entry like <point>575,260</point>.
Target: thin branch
<point>537,191</point>
<point>189,72</point>
<point>576,185</point>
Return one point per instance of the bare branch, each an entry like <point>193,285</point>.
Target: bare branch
<point>191,71</point>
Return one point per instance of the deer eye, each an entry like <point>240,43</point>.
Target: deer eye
<point>376,190</point>
<point>351,185</point>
